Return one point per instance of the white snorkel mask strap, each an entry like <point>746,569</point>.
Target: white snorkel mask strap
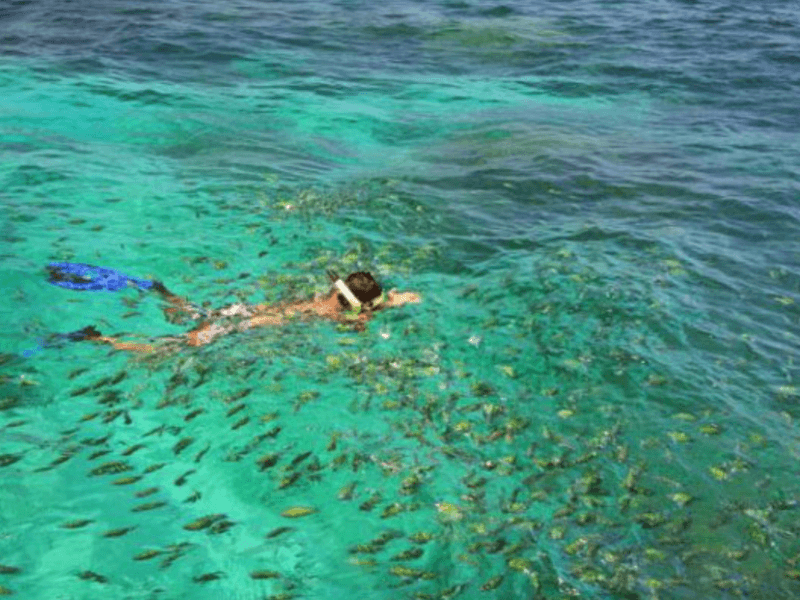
<point>351,298</point>
<point>346,292</point>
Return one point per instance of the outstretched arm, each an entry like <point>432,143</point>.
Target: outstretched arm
<point>178,308</point>
<point>395,298</point>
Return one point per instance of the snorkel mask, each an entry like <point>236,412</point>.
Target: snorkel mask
<point>355,303</point>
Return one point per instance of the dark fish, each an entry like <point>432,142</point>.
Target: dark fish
<point>111,397</point>
<point>194,497</point>
<point>147,554</point>
<point>240,423</point>
<point>236,409</point>
<point>118,377</point>
<point>221,527</point>
<point>346,493</point>
<point>112,415</point>
<point>81,391</point>
<point>299,458</point>
<point>118,532</point>
<point>148,492</point>
<point>101,382</point>
<point>265,574</point>
<point>6,570</point>
<point>279,531</point>
<point>267,461</point>
<point>127,480</point>
<point>370,502</point>
<point>76,372</point>
<point>409,554</point>
<point>160,429</point>
<point>182,479</point>
<point>132,449</point>
<point>9,459</point>
<point>493,583</point>
<point>393,509</point>
<point>182,445</point>
<point>289,480</point>
<point>76,524</point>
<point>96,441</point>
<point>92,576</point>
<point>111,468</point>
<point>387,536</point>
<point>206,577</point>
<point>89,416</point>
<point>201,453</point>
<point>155,467</point>
<point>193,414</point>
<point>148,506</point>
<point>273,432</point>
<point>203,522</point>
<point>238,395</point>
<point>98,454</point>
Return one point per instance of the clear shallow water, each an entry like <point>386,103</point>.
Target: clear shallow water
<point>597,396</point>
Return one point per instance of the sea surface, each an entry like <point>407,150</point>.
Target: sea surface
<point>599,203</point>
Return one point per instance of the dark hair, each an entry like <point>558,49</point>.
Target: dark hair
<point>363,286</point>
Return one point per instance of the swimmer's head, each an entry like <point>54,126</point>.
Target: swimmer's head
<point>364,288</point>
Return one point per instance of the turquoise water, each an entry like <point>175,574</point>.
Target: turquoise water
<point>597,398</point>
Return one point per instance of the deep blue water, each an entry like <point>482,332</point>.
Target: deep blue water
<point>597,201</point>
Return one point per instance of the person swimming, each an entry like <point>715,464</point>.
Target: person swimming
<point>353,300</point>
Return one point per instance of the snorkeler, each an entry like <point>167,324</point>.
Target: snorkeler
<point>353,301</point>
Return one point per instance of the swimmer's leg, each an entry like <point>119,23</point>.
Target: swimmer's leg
<point>91,334</point>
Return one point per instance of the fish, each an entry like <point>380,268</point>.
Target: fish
<point>182,479</point>
<point>201,453</point>
<point>77,524</point>
<point>111,468</point>
<point>96,441</point>
<point>236,409</point>
<point>6,570</point>
<point>265,574</point>
<point>147,554</point>
<point>127,480</point>
<point>238,395</point>
<point>278,531</point>
<point>240,423</point>
<point>298,511</point>
<point>112,533</point>
<point>267,461</point>
<point>76,372</point>
<point>155,467</point>
<point>193,414</point>
<point>370,502</point>
<point>299,458</point>
<point>221,527</point>
<point>289,480</point>
<point>132,449</point>
<point>194,497</point>
<point>81,391</point>
<point>182,445</point>
<point>409,554</point>
<point>9,459</point>
<point>148,506</point>
<point>148,492</point>
<point>92,576</point>
<point>203,522</point>
<point>206,577</point>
